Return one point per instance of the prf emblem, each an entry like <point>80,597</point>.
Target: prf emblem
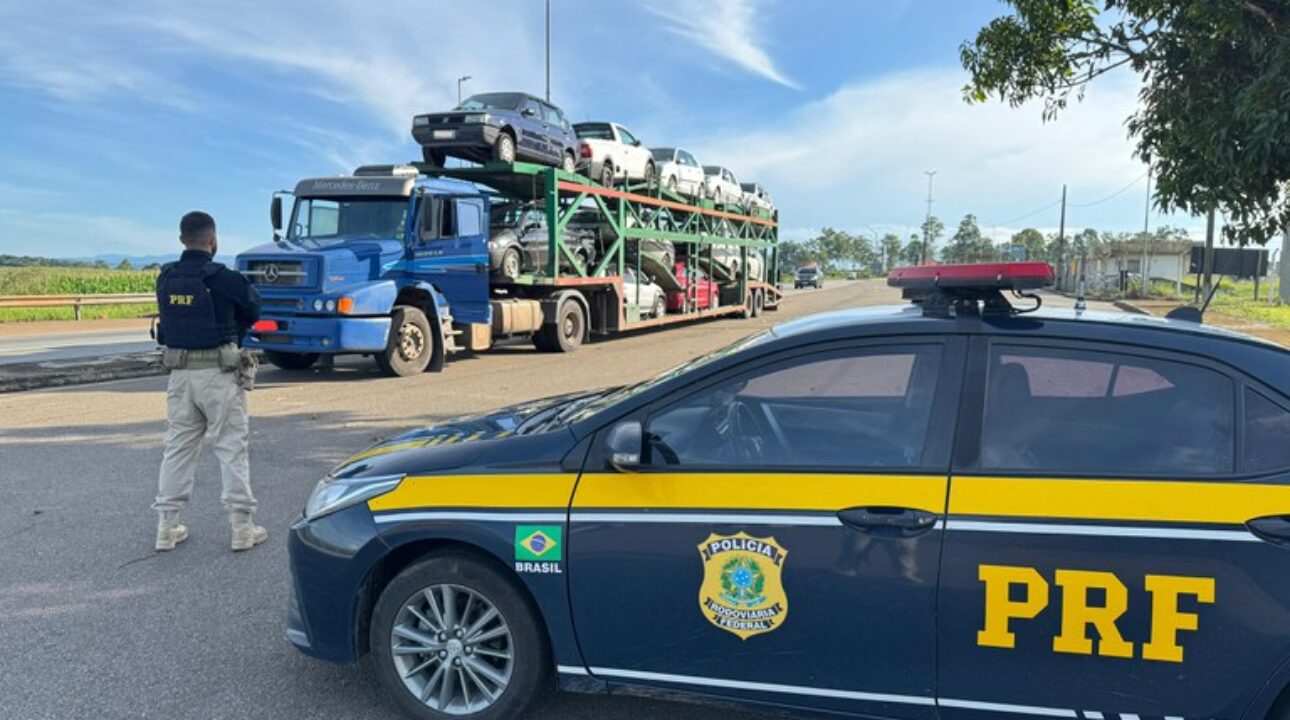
<point>181,299</point>
<point>1091,605</point>
<point>743,586</point>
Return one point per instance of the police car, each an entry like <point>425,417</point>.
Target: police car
<point>952,509</point>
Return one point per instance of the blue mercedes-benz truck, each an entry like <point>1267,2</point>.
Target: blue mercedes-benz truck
<point>410,263</point>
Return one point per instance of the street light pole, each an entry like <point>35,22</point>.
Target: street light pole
<point>927,224</point>
<point>548,50</point>
<point>461,80</point>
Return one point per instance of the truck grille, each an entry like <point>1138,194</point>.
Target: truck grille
<point>272,273</point>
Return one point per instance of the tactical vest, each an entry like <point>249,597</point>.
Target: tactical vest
<point>187,311</point>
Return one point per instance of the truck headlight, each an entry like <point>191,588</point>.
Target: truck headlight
<point>332,494</point>
<point>330,305</point>
<point>318,305</point>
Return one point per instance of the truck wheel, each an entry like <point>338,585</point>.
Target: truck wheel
<point>408,350</point>
<point>434,157</point>
<point>569,165</point>
<point>565,334</point>
<point>290,360</point>
<point>607,174</point>
<point>452,637</point>
<point>504,148</point>
<point>510,267</point>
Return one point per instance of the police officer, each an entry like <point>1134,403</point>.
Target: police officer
<point>206,310</point>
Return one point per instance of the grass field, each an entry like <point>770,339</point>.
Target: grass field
<point>74,281</point>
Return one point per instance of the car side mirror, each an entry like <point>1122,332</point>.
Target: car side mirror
<point>625,444</point>
<point>528,112</point>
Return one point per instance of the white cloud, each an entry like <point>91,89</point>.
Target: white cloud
<point>725,28</point>
<point>857,156</point>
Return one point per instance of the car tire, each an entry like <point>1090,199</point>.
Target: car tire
<point>434,157</point>
<point>660,306</point>
<point>291,360</point>
<point>758,302</point>
<point>504,147</point>
<point>716,196</point>
<point>570,164</point>
<point>509,267</point>
<point>651,174</point>
<point>404,605</point>
<point>607,174</point>
<point>565,334</point>
<point>671,184</point>
<point>410,345</point>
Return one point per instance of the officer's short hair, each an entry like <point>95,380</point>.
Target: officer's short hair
<point>195,226</point>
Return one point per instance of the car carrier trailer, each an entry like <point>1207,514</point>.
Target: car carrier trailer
<point>393,262</point>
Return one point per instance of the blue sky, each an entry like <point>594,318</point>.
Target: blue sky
<point>120,116</point>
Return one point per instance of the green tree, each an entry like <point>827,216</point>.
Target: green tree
<point>891,248</point>
<point>912,254</point>
<point>932,229</point>
<point>968,245</point>
<point>1213,118</point>
<point>1033,241</point>
<point>124,264</point>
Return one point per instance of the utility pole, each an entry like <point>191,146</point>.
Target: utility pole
<point>548,50</point>
<point>1061,245</point>
<point>1146,239</point>
<point>1283,263</point>
<point>1207,263</point>
<point>927,224</point>
<point>461,80</point>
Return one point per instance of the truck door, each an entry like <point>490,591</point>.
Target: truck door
<point>780,540</point>
<point>1098,561</point>
<point>451,253</point>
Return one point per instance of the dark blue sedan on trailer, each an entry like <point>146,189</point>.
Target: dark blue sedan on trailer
<point>957,509</point>
<point>501,127</point>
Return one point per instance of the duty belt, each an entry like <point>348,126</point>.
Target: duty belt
<point>195,359</point>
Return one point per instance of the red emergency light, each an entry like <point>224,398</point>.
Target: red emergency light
<point>985,277</point>
<point>265,326</point>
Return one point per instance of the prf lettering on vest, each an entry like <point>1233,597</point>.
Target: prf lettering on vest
<point>1021,593</point>
<point>181,299</point>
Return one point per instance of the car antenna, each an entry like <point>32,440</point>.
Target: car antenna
<point>1191,313</point>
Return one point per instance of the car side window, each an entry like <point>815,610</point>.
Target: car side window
<point>626,137</point>
<point>470,217</point>
<point>1267,434</point>
<point>687,159</point>
<point>552,115</point>
<point>1086,412</point>
<point>863,408</point>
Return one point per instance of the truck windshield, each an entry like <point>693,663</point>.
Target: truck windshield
<point>484,101</point>
<point>331,220</point>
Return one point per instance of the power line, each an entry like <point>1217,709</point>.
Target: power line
<point>1032,213</point>
<point>1115,194</point>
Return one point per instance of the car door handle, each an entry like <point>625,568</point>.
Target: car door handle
<point>1273,528</point>
<point>882,517</point>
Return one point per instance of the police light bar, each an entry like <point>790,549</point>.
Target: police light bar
<point>985,277</point>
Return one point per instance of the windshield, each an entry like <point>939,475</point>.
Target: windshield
<point>594,131</point>
<point>503,101</point>
<point>711,170</point>
<point>662,154</point>
<point>331,220</point>
<point>629,391</point>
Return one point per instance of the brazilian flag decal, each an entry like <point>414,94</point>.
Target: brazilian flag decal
<point>538,542</point>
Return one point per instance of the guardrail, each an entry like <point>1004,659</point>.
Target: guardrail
<point>75,301</point>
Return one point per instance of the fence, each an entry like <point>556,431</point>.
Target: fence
<point>75,301</point>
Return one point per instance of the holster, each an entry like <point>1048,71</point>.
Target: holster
<point>174,358</point>
<point>247,369</point>
<point>230,358</point>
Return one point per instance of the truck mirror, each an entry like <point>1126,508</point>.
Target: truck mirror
<point>625,445</point>
<point>275,214</point>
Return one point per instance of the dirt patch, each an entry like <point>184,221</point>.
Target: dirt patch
<point>1281,336</point>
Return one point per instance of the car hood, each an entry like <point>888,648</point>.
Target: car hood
<point>452,443</point>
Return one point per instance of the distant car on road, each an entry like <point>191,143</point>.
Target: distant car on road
<point>722,186</point>
<point>609,152</point>
<point>679,172</point>
<point>518,241</point>
<point>501,126</point>
<point>703,293</point>
<point>755,197</point>
<point>811,276</point>
<point>644,294</point>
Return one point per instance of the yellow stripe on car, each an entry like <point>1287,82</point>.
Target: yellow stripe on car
<point>386,449</point>
<point>760,491</point>
<point>1140,500</point>
<point>476,491</point>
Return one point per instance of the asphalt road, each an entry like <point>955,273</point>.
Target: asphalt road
<point>94,624</point>
<point>57,347</point>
